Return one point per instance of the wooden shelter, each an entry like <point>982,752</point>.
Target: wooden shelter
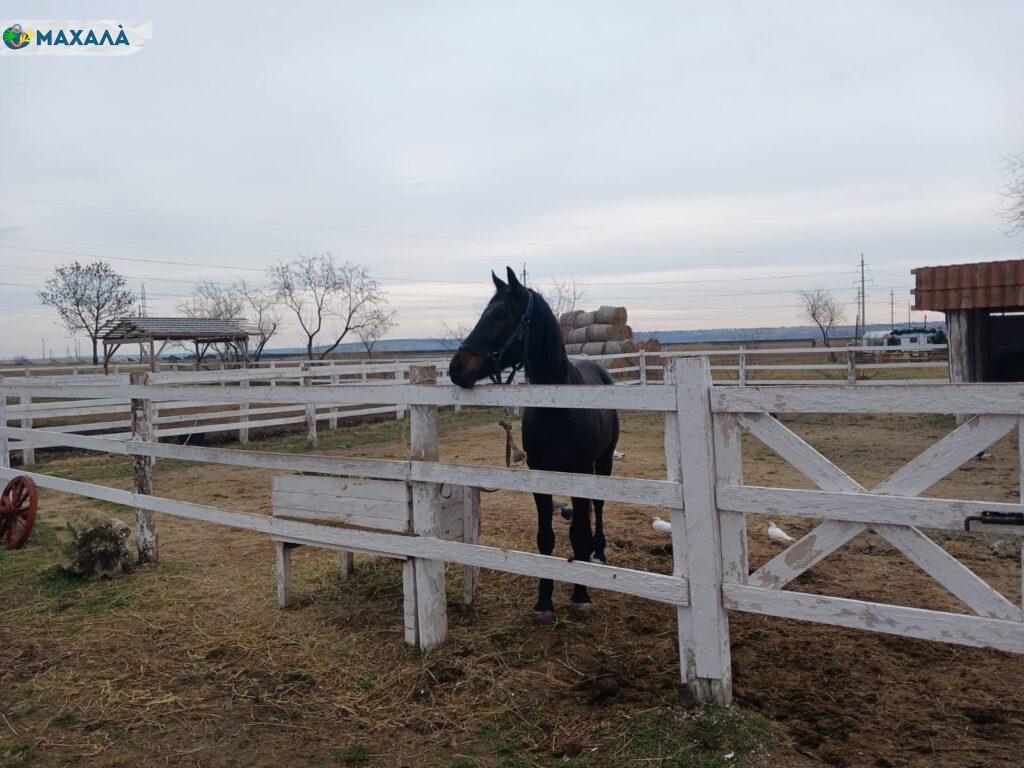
<point>148,331</point>
<point>984,306</point>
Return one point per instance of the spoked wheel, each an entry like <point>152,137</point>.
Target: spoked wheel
<point>18,505</point>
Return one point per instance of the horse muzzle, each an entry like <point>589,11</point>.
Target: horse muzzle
<point>466,369</point>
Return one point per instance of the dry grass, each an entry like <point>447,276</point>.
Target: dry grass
<point>191,663</point>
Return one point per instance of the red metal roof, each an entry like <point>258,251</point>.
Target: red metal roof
<point>987,285</point>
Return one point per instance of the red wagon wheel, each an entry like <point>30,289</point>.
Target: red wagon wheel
<point>18,505</point>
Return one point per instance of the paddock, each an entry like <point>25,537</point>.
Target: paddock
<point>701,643</point>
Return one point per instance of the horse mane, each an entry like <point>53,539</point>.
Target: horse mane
<point>547,362</point>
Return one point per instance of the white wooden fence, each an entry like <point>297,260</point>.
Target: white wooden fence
<point>703,424</point>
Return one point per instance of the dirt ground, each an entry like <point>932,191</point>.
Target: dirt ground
<point>192,663</point>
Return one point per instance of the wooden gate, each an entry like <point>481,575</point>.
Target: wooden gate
<point>893,509</point>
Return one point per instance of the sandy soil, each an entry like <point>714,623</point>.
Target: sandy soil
<point>191,663</point>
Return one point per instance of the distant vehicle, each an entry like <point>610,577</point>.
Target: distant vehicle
<point>905,338</point>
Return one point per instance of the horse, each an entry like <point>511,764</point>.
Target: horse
<point>517,329</point>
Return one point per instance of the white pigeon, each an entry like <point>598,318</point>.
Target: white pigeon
<point>778,535</point>
<point>661,526</point>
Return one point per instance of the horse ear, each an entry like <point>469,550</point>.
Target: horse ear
<point>513,281</point>
<point>498,283</point>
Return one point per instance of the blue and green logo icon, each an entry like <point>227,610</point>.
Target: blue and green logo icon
<point>16,37</point>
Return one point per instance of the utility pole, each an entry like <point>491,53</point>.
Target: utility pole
<point>892,309</point>
<point>524,273</point>
<point>863,300</point>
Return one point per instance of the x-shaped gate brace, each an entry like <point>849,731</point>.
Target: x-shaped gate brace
<point>911,480</point>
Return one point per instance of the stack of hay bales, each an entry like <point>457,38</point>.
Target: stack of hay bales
<point>602,332</point>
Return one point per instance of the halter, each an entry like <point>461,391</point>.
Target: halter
<point>493,359</point>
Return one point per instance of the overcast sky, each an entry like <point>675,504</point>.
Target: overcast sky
<point>665,152</point>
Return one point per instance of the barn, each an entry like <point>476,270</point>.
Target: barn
<point>984,306</point>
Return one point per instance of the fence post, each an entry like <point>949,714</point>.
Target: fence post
<point>312,441</point>
<point>243,418</point>
<point>643,368</point>
<point>5,453</point>
<point>333,421</point>
<point>851,367</point>
<point>696,537</point>
<point>743,367</point>
<point>142,469</point>
<point>431,615</point>
<point>28,452</point>
<point>400,410</point>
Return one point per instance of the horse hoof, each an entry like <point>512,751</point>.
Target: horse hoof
<point>542,618</point>
<point>581,611</point>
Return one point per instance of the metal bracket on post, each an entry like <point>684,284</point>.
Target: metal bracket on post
<point>431,612</point>
<point>142,469</point>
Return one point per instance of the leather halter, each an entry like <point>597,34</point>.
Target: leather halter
<point>493,359</point>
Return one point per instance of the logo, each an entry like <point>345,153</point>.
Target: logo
<point>15,37</point>
<point>103,37</point>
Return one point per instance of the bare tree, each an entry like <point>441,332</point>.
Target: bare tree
<point>261,309</point>
<point>378,322</point>
<point>452,335</point>
<point>1013,194</point>
<point>213,301</point>
<point>87,296</point>
<point>319,290</point>
<point>821,308</point>
<point>565,295</point>
<point>238,301</point>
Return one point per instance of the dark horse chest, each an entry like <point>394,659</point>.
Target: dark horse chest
<point>571,439</point>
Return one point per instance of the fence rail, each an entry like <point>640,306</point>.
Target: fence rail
<point>703,433</point>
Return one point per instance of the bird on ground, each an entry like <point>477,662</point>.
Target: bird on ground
<point>661,526</point>
<point>778,535</point>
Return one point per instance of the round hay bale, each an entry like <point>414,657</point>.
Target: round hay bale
<point>616,347</point>
<point>610,315</point>
<point>584,319</point>
<point>609,332</point>
<point>593,348</point>
<point>650,345</point>
<point>568,319</point>
<point>577,336</point>
<point>573,349</point>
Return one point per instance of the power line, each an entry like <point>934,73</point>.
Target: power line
<point>408,235</point>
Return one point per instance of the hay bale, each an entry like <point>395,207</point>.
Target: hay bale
<point>98,546</point>
<point>598,333</point>
<point>573,349</point>
<point>576,336</point>
<point>610,315</point>
<point>568,319</point>
<point>593,348</point>
<point>584,319</point>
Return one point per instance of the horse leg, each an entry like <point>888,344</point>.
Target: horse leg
<point>582,539</point>
<point>603,466</point>
<point>544,610</point>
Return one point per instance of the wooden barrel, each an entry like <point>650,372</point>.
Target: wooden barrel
<point>610,316</point>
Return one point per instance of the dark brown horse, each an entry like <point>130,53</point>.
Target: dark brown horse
<point>518,329</point>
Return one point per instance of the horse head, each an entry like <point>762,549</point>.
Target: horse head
<point>498,340</point>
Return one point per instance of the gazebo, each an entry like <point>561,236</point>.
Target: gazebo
<point>147,331</point>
